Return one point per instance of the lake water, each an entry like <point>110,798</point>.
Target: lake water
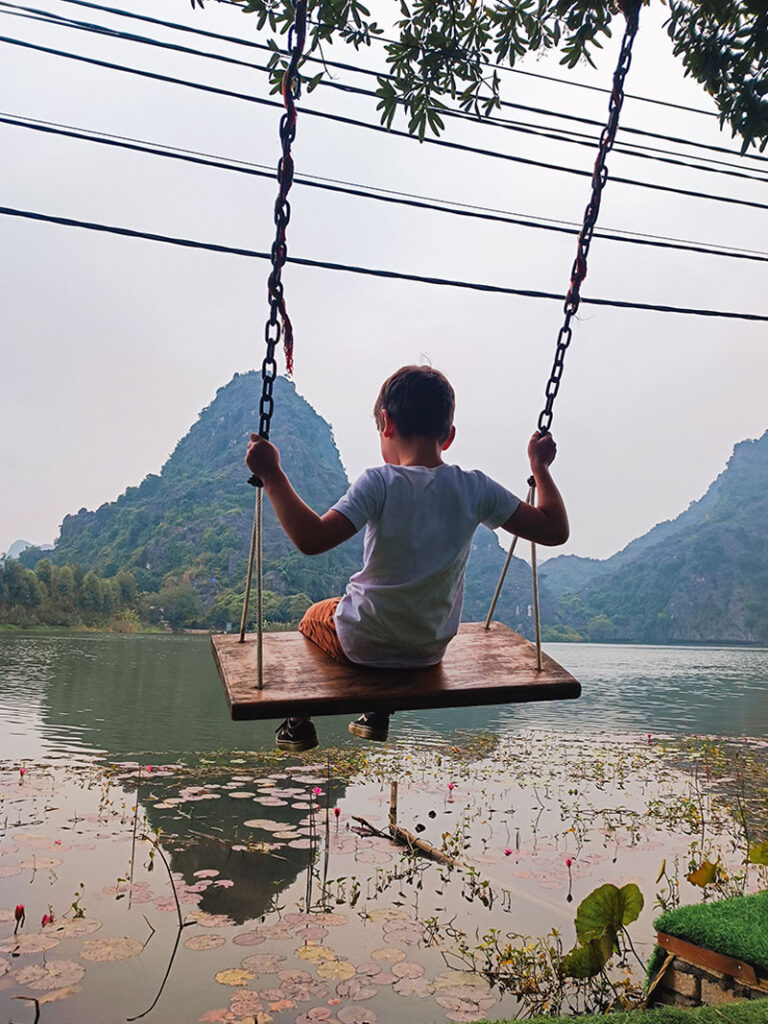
<point>78,694</point>
<point>253,839</point>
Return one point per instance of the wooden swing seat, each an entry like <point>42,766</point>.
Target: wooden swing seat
<point>495,666</point>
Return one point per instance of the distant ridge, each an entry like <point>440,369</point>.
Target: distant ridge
<point>699,578</point>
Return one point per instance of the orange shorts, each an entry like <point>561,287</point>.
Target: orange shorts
<point>318,626</point>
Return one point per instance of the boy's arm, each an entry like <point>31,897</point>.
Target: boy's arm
<point>547,523</point>
<point>311,533</point>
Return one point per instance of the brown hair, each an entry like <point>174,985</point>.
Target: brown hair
<point>420,401</point>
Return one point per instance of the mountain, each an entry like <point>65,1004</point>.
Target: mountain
<point>20,546</point>
<point>702,577</point>
<point>190,526</point>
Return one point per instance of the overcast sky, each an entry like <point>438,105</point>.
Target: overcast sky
<point>111,346</point>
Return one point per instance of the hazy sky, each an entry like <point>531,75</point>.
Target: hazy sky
<point>111,346</point>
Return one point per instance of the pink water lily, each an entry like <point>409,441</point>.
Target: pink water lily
<point>19,917</point>
<point>46,920</point>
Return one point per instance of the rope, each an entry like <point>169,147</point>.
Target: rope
<point>503,576</point>
<point>278,323</point>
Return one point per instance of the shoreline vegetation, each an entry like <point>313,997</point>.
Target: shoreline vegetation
<point>64,598</point>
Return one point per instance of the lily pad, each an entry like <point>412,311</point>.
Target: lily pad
<point>314,1016</point>
<point>235,976</point>
<point>356,989</point>
<point>336,970</point>
<point>389,914</point>
<point>211,920</point>
<point>77,926</point>
<point>253,938</point>
<point>54,974</point>
<point>406,969</point>
<point>408,987</point>
<point>107,950</point>
<point>357,1015</point>
<point>315,954</point>
<point>390,956</point>
<point>202,942</point>
<point>30,942</point>
<point>263,963</point>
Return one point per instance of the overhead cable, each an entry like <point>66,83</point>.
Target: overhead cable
<point>369,192</point>
<point>391,132</point>
<point>632,149</point>
<point>530,293</point>
<point>52,18</point>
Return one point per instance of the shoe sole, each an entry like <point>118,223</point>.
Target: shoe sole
<point>367,732</point>
<point>295,746</point>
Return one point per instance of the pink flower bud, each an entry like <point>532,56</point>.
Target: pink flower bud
<point>18,913</point>
<point>22,772</point>
<point>317,790</point>
<point>568,862</point>
<point>450,786</point>
<point>507,852</point>
<point>337,811</point>
<point>47,919</point>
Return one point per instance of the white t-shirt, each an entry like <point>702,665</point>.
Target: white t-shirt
<point>404,606</point>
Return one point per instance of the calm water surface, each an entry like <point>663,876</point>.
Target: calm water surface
<point>71,700</point>
<point>64,696</point>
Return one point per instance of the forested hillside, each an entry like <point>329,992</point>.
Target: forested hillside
<point>182,536</point>
<point>702,577</point>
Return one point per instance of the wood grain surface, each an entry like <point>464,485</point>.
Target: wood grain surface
<point>495,666</point>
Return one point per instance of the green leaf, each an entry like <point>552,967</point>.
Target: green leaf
<point>588,960</point>
<point>607,909</point>
<point>758,854</point>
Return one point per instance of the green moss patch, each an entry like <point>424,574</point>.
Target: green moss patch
<point>737,927</point>
<point>753,1012</point>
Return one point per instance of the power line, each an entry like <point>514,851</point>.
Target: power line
<point>52,18</point>
<point>189,243</point>
<point>392,132</point>
<point>516,71</point>
<point>636,150</point>
<point>367,192</point>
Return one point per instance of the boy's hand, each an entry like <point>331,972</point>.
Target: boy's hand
<point>262,458</point>
<point>541,450</point>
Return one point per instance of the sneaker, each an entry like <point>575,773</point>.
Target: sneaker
<point>296,736</point>
<point>374,725</point>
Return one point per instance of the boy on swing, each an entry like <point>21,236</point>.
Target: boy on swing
<point>420,514</point>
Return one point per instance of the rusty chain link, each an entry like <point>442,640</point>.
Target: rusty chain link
<point>631,9</point>
<point>278,324</point>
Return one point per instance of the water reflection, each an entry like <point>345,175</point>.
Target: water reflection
<point>67,695</point>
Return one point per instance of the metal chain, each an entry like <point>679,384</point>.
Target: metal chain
<point>279,324</point>
<point>631,9</point>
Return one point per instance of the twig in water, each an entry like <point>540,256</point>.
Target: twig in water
<point>30,999</point>
<point>133,841</point>
<point>164,859</point>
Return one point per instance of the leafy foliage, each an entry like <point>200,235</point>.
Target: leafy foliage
<point>453,50</point>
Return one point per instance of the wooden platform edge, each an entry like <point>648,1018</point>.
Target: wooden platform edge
<point>386,690</point>
<point>708,959</point>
